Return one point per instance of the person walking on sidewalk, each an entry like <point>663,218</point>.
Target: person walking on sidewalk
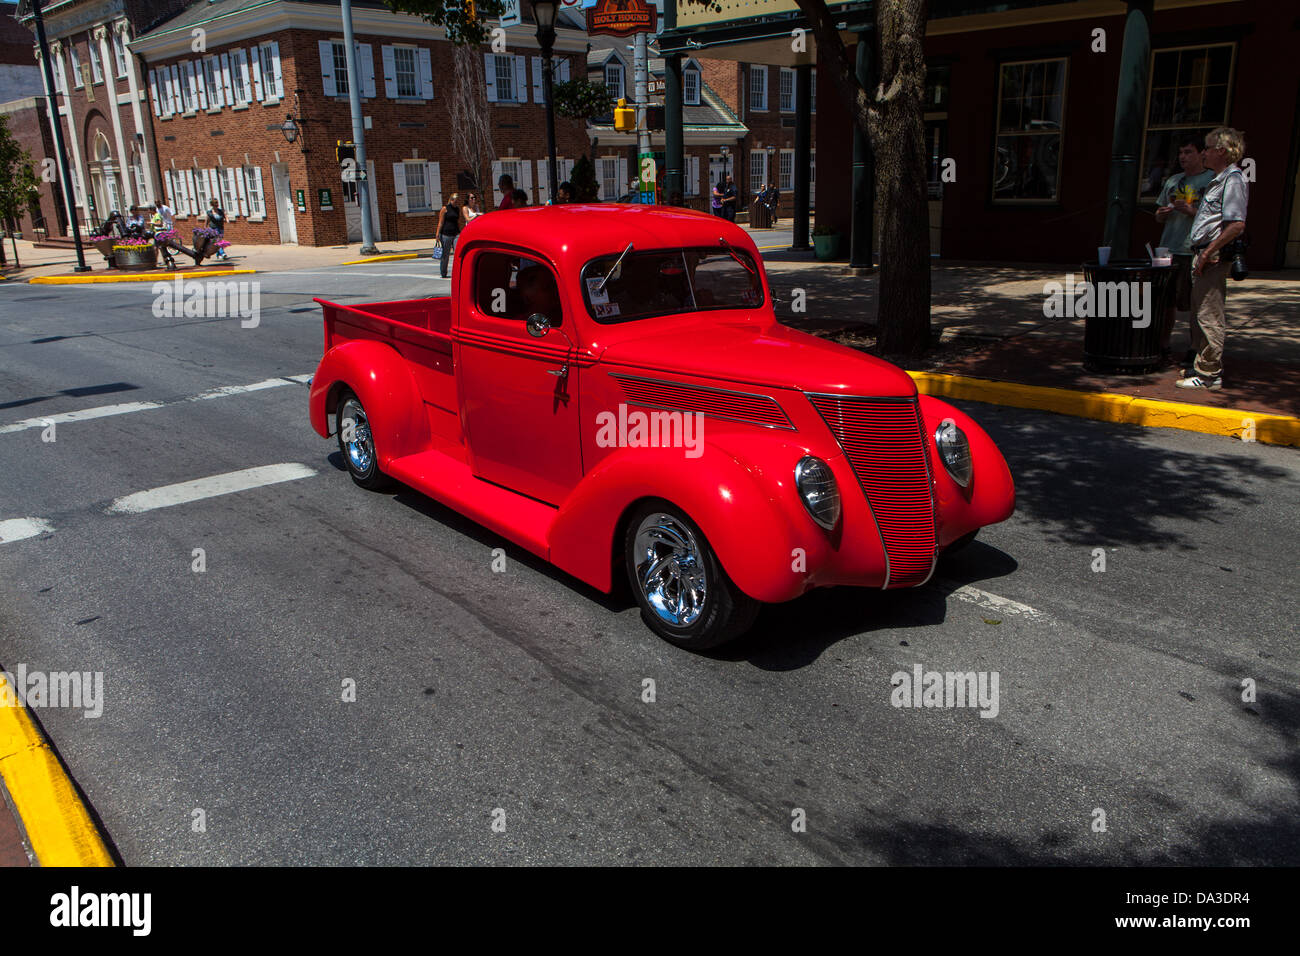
<point>1177,204</point>
<point>1220,220</point>
<point>448,229</point>
<point>217,223</point>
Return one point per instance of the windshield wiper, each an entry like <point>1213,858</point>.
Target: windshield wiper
<point>736,255</point>
<point>610,274</point>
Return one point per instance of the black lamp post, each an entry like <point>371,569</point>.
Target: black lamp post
<point>544,12</point>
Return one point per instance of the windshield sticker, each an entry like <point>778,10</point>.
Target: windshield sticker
<point>597,295</point>
<point>605,310</point>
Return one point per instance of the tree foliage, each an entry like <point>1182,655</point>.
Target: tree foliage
<point>582,181</point>
<point>466,21</point>
<point>19,185</point>
<point>581,99</point>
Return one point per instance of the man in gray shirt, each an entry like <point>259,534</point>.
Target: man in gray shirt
<point>1220,219</point>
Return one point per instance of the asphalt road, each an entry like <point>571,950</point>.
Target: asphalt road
<point>522,691</point>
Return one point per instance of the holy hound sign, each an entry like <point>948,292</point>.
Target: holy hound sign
<point>621,18</point>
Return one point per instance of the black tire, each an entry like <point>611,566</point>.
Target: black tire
<point>723,613</point>
<point>359,455</point>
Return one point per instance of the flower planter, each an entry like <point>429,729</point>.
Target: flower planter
<point>826,247</point>
<point>105,248</point>
<point>136,258</point>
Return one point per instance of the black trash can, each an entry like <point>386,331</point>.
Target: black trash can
<point>1111,342</point>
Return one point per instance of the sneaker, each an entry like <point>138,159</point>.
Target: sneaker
<point>1213,383</point>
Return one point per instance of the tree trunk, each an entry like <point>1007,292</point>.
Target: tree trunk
<point>892,119</point>
<point>903,310</point>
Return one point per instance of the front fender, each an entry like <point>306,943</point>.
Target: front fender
<point>746,505</point>
<point>382,381</point>
<point>991,495</point>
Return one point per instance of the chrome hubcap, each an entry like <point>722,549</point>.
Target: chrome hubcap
<point>361,446</point>
<point>669,570</point>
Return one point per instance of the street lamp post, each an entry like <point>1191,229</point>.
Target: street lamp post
<point>544,12</point>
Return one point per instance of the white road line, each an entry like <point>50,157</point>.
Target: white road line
<point>104,411</point>
<point>16,529</point>
<point>995,602</point>
<point>371,275</point>
<point>85,414</point>
<point>210,487</point>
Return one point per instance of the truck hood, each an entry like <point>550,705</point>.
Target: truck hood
<point>748,353</point>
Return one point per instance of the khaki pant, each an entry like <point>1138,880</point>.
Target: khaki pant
<point>1209,324</point>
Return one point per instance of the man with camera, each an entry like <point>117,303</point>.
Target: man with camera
<point>1217,249</point>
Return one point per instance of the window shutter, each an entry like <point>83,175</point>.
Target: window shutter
<point>258,197</point>
<point>367,60</point>
<point>275,81</point>
<point>327,66</point>
<point>433,182</point>
<point>178,105</point>
<point>490,74</point>
<point>238,173</point>
<point>537,80</point>
<point>399,185</point>
<point>543,184</point>
<point>225,79</point>
<point>390,71</point>
<point>215,95</point>
<point>426,74</point>
<point>257,74</point>
<point>153,92</point>
<point>199,84</point>
<point>214,186</point>
<point>496,179</point>
<point>521,79</point>
<point>526,172</point>
<point>241,56</point>
<point>194,192</point>
<point>623,181</point>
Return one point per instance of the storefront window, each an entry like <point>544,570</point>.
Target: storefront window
<point>1188,94</point>
<point>1027,154</point>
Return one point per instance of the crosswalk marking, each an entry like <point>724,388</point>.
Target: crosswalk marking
<point>210,487</point>
<point>16,529</point>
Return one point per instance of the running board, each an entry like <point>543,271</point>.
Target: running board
<point>515,517</point>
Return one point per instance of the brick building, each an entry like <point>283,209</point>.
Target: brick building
<point>218,114</point>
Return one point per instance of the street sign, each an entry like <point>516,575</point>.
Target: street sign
<point>622,18</point>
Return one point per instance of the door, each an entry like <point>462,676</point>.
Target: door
<point>352,204</point>
<point>284,203</point>
<point>520,413</point>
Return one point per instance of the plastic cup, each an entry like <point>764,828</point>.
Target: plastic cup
<point>1103,255</point>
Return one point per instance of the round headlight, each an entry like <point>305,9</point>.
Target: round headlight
<point>817,488</point>
<point>954,451</point>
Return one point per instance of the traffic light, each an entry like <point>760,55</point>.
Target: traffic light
<point>624,117</point>
<point>654,118</point>
<point>344,151</point>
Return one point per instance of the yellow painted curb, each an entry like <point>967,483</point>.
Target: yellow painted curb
<point>59,829</point>
<point>152,277</point>
<point>395,255</point>
<point>1110,407</point>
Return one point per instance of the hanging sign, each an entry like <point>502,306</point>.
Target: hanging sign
<point>622,18</point>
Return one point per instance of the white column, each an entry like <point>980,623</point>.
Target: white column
<point>138,115</point>
<point>110,87</point>
<point>52,100</point>
<point>73,143</point>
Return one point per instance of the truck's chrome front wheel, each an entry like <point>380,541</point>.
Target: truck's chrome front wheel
<point>357,443</point>
<point>669,570</point>
<point>684,594</point>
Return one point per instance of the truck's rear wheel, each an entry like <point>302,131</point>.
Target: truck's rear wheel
<point>685,595</point>
<point>357,444</point>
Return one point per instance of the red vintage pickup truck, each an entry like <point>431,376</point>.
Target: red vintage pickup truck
<point>608,387</point>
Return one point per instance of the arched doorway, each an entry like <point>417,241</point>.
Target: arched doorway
<point>104,181</point>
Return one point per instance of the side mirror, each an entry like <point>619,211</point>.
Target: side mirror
<point>538,325</point>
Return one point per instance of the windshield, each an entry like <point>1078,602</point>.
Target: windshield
<point>671,280</point>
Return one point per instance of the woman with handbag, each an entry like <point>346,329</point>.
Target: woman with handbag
<point>448,229</point>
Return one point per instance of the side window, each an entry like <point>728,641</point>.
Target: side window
<point>510,286</point>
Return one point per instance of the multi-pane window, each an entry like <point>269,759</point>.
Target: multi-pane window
<point>239,76</point>
<point>96,68</point>
<point>1031,107</point>
<point>417,193</point>
<point>340,55</point>
<point>785,170</point>
<point>758,87</point>
<point>75,59</point>
<point>1189,94</point>
<point>757,170</point>
<point>408,83</point>
<point>119,53</point>
<point>614,79</point>
<point>610,187</point>
<point>691,87</point>
<point>787,90</point>
<point>505,73</point>
<point>253,186</point>
<point>201,191</point>
<point>187,94</point>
